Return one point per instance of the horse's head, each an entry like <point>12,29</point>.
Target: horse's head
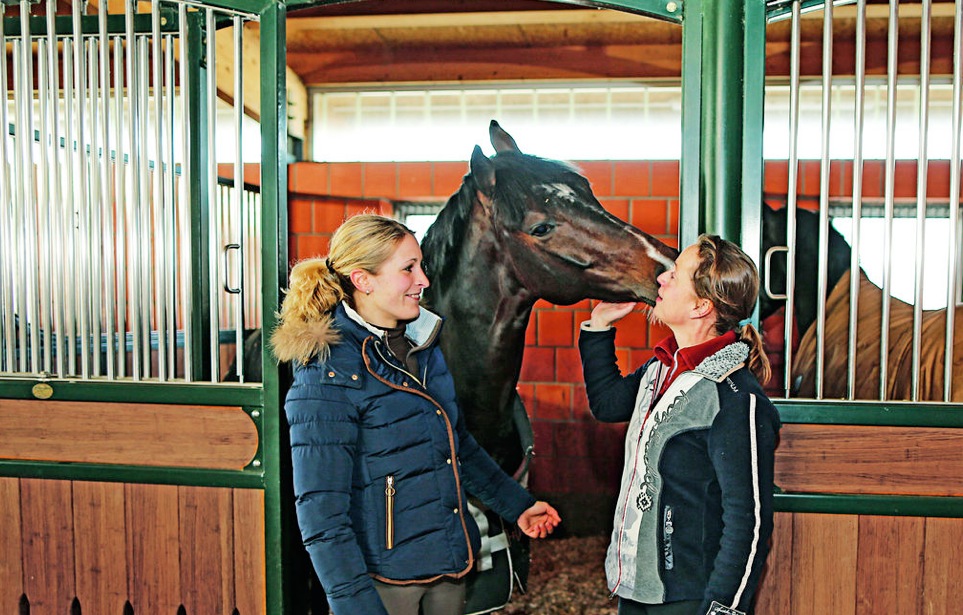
<point>774,234</point>
<point>555,236</point>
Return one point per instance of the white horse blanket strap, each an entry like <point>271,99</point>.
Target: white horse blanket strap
<point>489,544</point>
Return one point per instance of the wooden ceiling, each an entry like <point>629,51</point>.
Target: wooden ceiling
<point>380,42</point>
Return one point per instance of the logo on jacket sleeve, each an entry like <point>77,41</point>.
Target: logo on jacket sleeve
<point>717,609</point>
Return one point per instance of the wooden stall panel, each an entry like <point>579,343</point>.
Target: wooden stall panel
<point>824,564</point>
<point>775,588</point>
<point>48,546</point>
<point>215,437</point>
<point>889,572</point>
<point>870,459</point>
<point>207,549</point>
<point>153,550</point>
<point>943,566</point>
<point>11,570</point>
<point>249,552</point>
<point>100,543</point>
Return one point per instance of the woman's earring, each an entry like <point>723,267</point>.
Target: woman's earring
<point>367,292</point>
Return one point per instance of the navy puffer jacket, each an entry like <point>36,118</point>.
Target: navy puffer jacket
<point>382,462</point>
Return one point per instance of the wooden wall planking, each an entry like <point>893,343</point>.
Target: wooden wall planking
<point>164,548</point>
<point>218,437</point>
<point>100,543</point>
<point>862,564</point>
<point>875,459</point>
<point>249,552</point>
<point>890,565</point>
<point>11,565</point>
<point>48,546</point>
<point>153,553</point>
<point>207,549</point>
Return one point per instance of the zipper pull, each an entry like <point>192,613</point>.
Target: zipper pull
<point>389,512</point>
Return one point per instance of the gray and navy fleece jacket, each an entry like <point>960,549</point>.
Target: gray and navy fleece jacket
<point>694,513</point>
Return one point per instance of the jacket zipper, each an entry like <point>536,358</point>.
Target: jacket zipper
<point>390,512</point>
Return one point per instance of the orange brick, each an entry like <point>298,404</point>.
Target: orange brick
<point>617,207</point>
<point>938,179</point>
<point>568,365</point>
<point>328,215</point>
<point>808,177</point>
<point>345,178</point>
<point>447,177</point>
<point>638,357</point>
<point>665,178</point>
<point>527,393</point>
<point>414,179</point>
<point>776,177</point>
<point>904,184</point>
<point>553,401</point>
<point>650,215</point>
<point>555,328</point>
<point>309,246</point>
<point>578,317</point>
<point>632,331</point>
<point>622,358</point>
<point>874,173</point>
<point>308,178</point>
<point>530,339</point>
<point>252,173</point>
<point>631,178</point>
<point>841,178</point>
<point>380,179</point>
<point>600,175</point>
<point>580,405</point>
<point>300,215</point>
<point>673,229</point>
<point>538,365</point>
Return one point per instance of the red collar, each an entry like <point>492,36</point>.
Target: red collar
<point>680,360</point>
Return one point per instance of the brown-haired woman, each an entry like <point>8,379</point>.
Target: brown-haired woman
<point>382,459</point>
<point>694,514</point>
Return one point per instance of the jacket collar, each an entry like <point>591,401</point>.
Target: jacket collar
<point>715,359</point>
<point>422,330</point>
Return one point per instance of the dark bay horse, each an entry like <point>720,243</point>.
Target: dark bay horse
<point>806,296</point>
<point>522,228</point>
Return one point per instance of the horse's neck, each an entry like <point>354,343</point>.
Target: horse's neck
<point>485,305</point>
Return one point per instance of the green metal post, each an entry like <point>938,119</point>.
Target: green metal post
<point>281,593</point>
<point>722,116</point>
<point>200,199</point>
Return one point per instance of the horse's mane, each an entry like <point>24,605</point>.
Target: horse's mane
<point>446,233</point>
<point>516,174</point>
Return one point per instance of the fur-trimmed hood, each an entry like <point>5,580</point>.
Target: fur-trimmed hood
<point>302,340</point>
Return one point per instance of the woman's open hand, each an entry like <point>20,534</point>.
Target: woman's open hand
<point>539,520</point>
<point>606,314</point>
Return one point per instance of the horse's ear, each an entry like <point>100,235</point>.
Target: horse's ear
<point>501,140</point>
<point>483,172</point>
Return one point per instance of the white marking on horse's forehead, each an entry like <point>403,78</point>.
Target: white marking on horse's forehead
<point>560,191</point>
<point>651,251</point>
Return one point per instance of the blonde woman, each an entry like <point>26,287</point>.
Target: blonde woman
<point>382,460</point>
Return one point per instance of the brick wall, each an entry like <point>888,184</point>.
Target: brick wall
<point>578,460</point>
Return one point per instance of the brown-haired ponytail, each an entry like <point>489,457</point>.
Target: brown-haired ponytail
<point>728,278</point>
<point>758,361</point>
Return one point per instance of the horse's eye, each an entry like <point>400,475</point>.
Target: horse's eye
<point>541,230</point>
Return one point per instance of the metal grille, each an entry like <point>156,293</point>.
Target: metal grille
<point>98,237</point>
<point>888,206</point>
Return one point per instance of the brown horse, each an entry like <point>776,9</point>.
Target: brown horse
<point>522,228</point>
<point>900,348</point>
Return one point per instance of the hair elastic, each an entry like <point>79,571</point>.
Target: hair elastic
<point>744,322</point>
